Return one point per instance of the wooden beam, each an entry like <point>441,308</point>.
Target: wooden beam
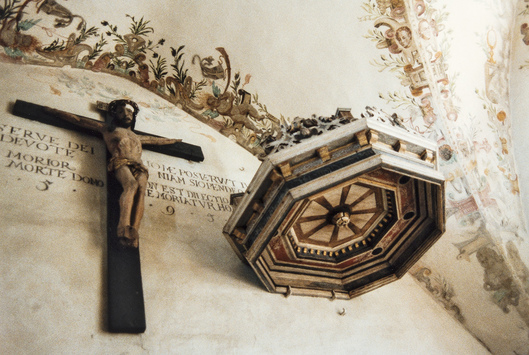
<point>126,310</point>
<point>38,113</point>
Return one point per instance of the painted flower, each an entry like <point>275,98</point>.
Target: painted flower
<point>501,116</point>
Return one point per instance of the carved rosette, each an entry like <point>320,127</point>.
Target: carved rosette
<point>334,224</point>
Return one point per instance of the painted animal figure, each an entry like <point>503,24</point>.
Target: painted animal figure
<point>69,55</point>
<point>209,70</point>
<point>240,114</point>
<point>64,16</point>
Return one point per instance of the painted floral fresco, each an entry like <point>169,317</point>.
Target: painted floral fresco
<point>217,97</point>
<point>439,287</point>
<point>470,119</point>
<point>475,145</point>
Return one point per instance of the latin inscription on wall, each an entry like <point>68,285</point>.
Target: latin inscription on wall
<point>187,187</point>
<point>45,155</point>
<point>40,153</point>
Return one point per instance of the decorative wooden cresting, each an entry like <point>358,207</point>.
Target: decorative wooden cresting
<point>340,206</point>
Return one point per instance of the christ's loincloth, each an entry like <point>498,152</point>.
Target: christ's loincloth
<point>135,167</point>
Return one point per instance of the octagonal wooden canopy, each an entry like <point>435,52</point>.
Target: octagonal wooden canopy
<point>341,213</point>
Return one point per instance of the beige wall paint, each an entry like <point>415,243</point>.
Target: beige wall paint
<point>199,297</point>
<point>310,57</point>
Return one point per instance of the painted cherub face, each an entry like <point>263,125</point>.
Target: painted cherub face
<point>404,36</point>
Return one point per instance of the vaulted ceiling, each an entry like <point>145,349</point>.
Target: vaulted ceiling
<point>454,72</point>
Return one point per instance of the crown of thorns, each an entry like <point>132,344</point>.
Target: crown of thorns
<point>112,107</point>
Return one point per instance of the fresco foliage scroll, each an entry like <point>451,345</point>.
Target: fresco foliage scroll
<point>206,87</point>
<point>475,146</point>
<point>414,46</point>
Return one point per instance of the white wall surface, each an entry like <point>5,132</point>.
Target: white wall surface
<point>199,297</point>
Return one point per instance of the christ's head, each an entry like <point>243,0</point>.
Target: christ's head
<point>123,113</point>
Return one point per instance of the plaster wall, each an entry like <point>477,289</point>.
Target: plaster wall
<point>296,58</point>
<point>199,297</point>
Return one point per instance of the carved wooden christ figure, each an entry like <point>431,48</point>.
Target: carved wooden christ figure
<point>125,163</point>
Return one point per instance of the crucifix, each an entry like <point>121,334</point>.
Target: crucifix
<point>126,181</point>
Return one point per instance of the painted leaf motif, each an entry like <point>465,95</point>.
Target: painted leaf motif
<point>216,89</point>
<point>211,114</point>
<point>27,24</point>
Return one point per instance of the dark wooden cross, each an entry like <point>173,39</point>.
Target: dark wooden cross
<point>126,310</point>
